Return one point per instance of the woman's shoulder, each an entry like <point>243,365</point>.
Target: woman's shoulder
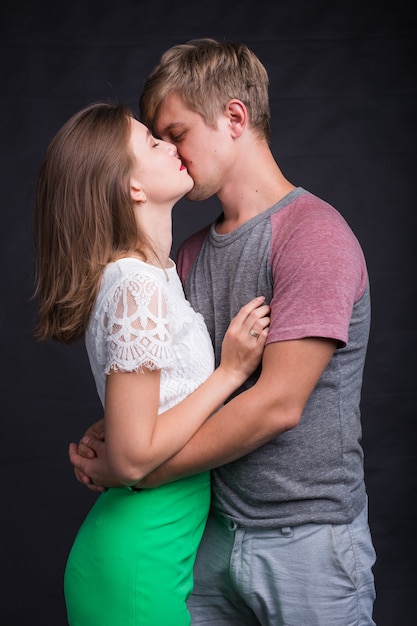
<point>125,266</point>
<point>131,275</point>
<point>132,267</point>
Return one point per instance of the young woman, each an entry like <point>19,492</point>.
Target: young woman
<point>103,235</point>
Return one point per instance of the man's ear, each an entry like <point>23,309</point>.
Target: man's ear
<point>136,192</point>
<point>238,116</point>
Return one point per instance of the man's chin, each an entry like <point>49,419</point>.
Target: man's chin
<point>196,194</point>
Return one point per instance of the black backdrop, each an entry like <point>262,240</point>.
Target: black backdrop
<point>343,97</point>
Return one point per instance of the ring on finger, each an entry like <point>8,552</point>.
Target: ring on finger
<point>254,333</point>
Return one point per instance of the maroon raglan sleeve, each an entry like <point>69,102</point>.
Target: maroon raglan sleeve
<point>188,252</point>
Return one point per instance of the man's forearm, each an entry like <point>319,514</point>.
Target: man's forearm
<point>232,432</point>
<point>290,371</point>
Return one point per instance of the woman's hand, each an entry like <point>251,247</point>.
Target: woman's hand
<point>244,341</point>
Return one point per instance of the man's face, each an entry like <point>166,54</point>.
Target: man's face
<point>202,149</point>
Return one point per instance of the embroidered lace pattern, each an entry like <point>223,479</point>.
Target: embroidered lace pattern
<point>136,325</point>
<point>141,320</point>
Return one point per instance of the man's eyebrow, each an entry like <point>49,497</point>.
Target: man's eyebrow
<point>172,126</point>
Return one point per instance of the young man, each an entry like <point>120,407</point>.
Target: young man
<point>287,541</point>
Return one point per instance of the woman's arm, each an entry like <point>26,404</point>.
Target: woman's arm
<point>290,371</point>
<point>137,439</point>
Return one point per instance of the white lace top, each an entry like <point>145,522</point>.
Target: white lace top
<point>141,319</point>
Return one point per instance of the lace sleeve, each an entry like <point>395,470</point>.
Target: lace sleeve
<point>136,327</point>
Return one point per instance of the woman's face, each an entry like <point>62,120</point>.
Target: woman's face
<point>158,171</point>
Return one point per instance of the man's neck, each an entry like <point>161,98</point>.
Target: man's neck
<point>256,185</point>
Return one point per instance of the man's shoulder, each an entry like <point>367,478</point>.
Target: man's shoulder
<point>189,250</point>
<point>195,240</point>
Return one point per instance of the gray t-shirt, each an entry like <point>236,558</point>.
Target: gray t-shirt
<point>303,257</point>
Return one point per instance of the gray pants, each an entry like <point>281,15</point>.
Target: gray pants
<point>310,575</point>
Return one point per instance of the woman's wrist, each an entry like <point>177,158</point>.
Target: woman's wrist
<point>234,378</point>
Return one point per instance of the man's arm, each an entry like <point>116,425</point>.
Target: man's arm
<point>290,371</point>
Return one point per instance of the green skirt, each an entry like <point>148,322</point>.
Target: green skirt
<point>132,560</point>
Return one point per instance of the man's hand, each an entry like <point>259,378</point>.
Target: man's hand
<point>92,472</point>
<point>93,434</point>
<point>89,459</point>
<point>86,449</point>
<point>80,467</point>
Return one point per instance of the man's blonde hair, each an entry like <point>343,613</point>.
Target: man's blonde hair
<point>206,74</point>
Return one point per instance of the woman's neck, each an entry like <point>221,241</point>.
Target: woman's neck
<point>157,228</point>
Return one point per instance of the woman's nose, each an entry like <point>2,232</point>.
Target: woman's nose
<point>172,149</point>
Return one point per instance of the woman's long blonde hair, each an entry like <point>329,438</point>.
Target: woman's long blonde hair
<point>84,216</point>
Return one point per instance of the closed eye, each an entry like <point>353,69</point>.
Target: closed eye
<point>150,138</point>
